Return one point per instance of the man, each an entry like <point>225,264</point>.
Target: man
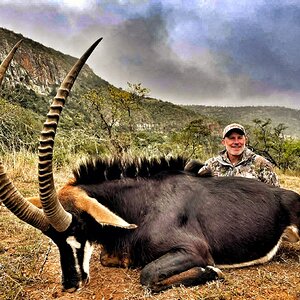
<point>237,160</point>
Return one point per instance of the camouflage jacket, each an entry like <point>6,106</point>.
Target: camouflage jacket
<point>251,166</point>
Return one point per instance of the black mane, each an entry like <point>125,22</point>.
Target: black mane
<point>97,170</point>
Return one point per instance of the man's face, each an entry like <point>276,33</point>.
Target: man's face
<point>234,143</point>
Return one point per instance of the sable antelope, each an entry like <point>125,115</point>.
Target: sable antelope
<point>179,228</point>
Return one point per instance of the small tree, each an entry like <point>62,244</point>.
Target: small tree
<point>117,110</point>
<point>193,138</point>
<point>272,143</point>
<point>291,155</point>
<point>19,128</point>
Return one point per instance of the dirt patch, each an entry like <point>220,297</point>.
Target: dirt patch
<point>278,279</point>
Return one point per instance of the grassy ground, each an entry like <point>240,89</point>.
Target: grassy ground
<point>29,265</point>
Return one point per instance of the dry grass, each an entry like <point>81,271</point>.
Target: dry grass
<point>29,263</point>
<point>30,271</point>
<point>290,182</point>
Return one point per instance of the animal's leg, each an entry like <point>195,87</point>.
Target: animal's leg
<point>177,268</point>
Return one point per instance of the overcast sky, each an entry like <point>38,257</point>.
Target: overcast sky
<point>210,52</point>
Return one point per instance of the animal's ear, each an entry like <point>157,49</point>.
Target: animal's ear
<point>104,216</point>
<point>99,212</point>
<point>193,166</point>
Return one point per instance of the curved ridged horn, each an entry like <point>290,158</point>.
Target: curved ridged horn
<point>7,60</point>
<point>57,216</point>
<point>9,195</point>
<point>18,205</point>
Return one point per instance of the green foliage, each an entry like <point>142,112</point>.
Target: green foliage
<point>116,115</point>
<point>290,159</point>
<point>246,114</point>
<point>271,142</point>
<point>119,124</point>
<point>19,128</point>
<point>166,116</point>
<point>193,138</point>
<point>75,143</point>
<point>26,98</point>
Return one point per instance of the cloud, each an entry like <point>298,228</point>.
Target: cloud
<point>266,48</point>
<point>197,51</point>
<point>187,69</point>
<point>133,52</point>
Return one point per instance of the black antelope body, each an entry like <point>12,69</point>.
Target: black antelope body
<point>179,228</point>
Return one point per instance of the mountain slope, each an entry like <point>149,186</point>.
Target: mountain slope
<point>36,72</point>
<point>246,115</point>
<point>38,67</point>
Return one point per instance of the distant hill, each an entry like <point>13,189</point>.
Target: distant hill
<point>36,72</point>
<point>246,115</point>
<point>40,68</point>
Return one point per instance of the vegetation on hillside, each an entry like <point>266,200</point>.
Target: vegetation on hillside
<point>19,128</point>
<point>246,115</point>
<point>100,119</point>
<point>104,120</point>
<point>270,141</point>
<point>127,122</point>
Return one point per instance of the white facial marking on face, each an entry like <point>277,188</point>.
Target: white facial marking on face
<point>71,240</point>
<point>88,250</point>
<point>74,244</point>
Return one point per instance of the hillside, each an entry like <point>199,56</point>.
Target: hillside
<point>246,115</point>
<point>37,71</point>
<point>40,68</point>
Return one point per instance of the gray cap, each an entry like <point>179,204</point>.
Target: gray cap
<point>233,127</point>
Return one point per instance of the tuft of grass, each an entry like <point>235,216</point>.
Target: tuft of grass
<point>22,169</point>
<point>290,182</point>
<point>22,253</point>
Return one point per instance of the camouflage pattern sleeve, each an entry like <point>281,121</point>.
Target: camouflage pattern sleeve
<point>266,172</point>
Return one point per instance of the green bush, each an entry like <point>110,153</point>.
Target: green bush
<point>19,128</point>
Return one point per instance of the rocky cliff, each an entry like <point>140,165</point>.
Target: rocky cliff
<point>38,68</point>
